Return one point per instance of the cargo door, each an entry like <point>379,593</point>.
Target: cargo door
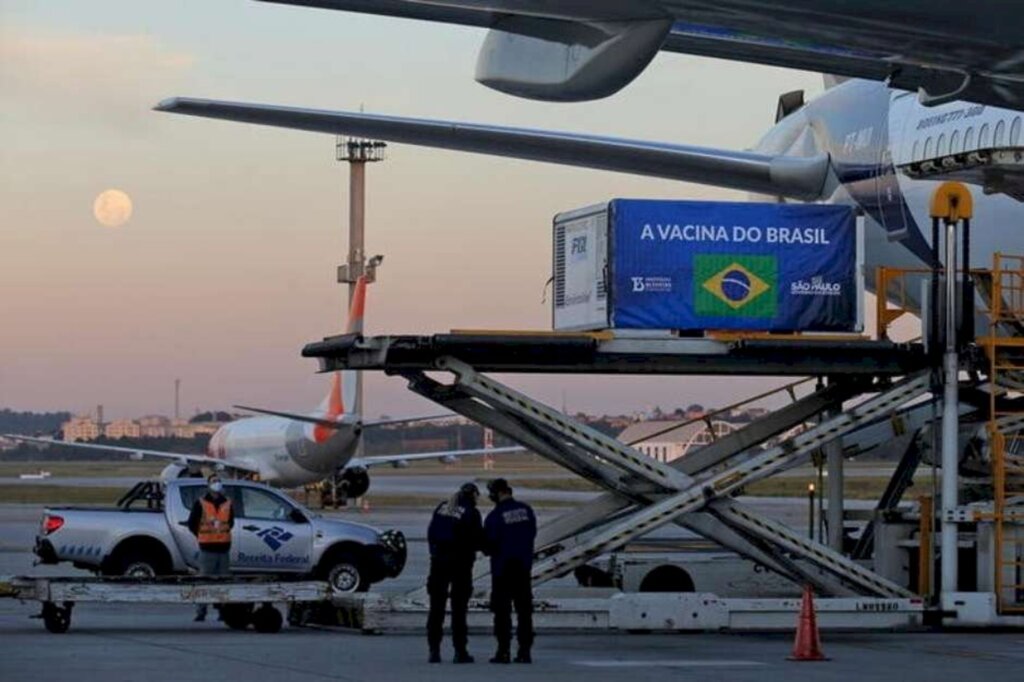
<point>270,534</point>
<point>891,142</point>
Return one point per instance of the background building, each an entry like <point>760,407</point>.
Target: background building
<point>81,428</point>
<point>659,440</point>
<point>122,428</point>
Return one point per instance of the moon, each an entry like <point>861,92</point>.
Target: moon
<point>112,208</point>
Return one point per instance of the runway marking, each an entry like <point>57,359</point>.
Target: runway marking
<point>670,663</point>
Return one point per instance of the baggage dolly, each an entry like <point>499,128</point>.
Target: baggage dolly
<point>243,601</point>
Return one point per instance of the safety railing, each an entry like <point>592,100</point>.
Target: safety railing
<point>1005,348</point>
<point>900,291</point>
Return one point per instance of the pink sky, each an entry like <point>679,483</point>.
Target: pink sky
<point>226,268</point>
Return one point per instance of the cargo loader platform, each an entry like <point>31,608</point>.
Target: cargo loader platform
<point>598,609</point>
<point>642,493</point>
<point>622,353</point>
<point>243,600</point>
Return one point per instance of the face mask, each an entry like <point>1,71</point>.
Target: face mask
<point>216,487</point>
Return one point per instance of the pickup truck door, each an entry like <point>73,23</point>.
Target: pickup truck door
<point>271,534</point>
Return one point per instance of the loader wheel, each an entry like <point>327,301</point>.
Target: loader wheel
<point>267,619</point>
<point>56,619</point>
<point>236,616</point>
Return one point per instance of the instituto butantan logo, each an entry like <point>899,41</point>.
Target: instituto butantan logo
<point>730,285</point>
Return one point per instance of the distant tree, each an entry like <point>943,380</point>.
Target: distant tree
<point>30,423</point>
<point>217,416</point>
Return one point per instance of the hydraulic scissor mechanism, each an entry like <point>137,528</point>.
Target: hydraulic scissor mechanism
<point>643,494</point>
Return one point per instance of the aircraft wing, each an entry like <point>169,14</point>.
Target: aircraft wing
<point>405,420</point>
<point>326,423</point>
<point>421,456</point>
<point>329,424</point>
<point>140,452</point>
<point>794,177</point>
<point>586,49</point>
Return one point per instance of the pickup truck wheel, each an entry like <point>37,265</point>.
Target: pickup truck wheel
<point>139,559</point>
<point>142,570</point>
<point>345,575</point>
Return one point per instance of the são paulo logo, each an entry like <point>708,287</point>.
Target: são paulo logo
<point>735,285</point>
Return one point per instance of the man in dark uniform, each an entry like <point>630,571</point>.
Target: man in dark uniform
<point>509,532</point>
<point>454,535</point>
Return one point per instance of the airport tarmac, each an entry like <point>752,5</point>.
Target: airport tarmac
<point>130,644</point>
<point>117,642</point>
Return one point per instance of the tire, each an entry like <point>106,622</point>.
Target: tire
<point>139,562</point>
<point>267,619</point>
<point>237,616</point>
<point>56,619</point>
<point>141,569</point>
<point>345,574</point>
<point>667,578</point>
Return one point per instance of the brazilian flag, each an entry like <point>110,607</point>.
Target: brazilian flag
<point>735,285</point>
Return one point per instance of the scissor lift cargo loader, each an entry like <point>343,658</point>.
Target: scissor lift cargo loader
<point>641,492</point>
<point>644,493</point>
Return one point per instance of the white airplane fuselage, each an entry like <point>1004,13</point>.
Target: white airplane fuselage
<point>868,129</point>
<point>286,453</point>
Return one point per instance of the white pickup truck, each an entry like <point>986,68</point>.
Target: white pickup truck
<point>147,535</point>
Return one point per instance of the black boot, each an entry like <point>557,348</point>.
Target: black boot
<point>523,656</point>
<point>435,655</point>
<point>501,656</point>
<point>462,657</point>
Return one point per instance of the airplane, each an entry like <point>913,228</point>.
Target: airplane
<point>575,50</point>
<point>859,143</point>
<point>870,140</point>
<point>292,450</point>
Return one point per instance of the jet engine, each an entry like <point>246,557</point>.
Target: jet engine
<point>353,482</point>
<point>179,470</point>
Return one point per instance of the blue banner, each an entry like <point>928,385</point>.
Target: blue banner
<point>698,265</point>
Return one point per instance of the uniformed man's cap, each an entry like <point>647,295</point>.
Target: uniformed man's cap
<point>469,489</point>
<point>499,485</point>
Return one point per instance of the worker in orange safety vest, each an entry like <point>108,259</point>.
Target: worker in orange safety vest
<point>211,521</point>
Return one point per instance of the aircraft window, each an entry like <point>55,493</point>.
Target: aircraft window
<point>954,142</point>
<point>259,504</point>
<point>969,139</point>
<point>997,139</point>
<point>940,146</point>
<point>1015,131</point>
<point>983,137</point>
<point>928,147</point>
<point>913,153</point>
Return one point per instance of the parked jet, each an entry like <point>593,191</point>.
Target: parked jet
<point>569,50</point>
<point>292,450</point>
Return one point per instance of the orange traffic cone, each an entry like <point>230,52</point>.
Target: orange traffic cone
<point>807,646</point>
